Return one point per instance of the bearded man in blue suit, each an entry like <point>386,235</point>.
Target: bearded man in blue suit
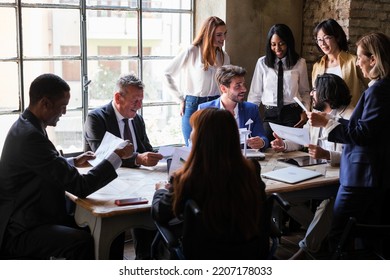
<point>231,81</point>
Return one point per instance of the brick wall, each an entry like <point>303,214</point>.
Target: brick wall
<point>357,17</point>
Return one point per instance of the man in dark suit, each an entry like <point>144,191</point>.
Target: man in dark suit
<point>231,82</point>
<point>114,117</point>
<point>34,177</point>
<point>111,117</point>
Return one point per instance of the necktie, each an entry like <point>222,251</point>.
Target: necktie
<point>126,131</point>
<point>280,85</point>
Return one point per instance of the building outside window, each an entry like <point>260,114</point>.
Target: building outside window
<point>96,41</point>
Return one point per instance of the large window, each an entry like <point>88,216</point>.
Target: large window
<point>90,43</point>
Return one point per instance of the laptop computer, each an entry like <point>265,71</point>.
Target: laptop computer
<point>291,175</point>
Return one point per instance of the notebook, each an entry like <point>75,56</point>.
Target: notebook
<point>291,175</point>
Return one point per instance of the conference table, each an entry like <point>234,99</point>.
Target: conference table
<point>106,220</point>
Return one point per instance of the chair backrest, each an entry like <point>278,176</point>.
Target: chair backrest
<point>363,241</point>
<point>198,243</point>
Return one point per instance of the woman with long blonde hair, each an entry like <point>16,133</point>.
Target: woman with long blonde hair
<point>195,67</point>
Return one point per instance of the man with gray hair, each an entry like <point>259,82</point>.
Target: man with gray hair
<point>120,118</point>
<point>231,81</point>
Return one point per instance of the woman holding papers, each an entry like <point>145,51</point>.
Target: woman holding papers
<point>226,186</point>
<point>331,95</point>
<point>365,160</point>
<point>280,76</point>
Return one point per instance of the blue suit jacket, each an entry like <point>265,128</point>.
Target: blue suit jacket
<point>365,161</point>
<point>104,119</point>
<point>246,111</point>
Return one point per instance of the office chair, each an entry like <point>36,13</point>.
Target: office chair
<point>376,239</point>
<point>194,244</point>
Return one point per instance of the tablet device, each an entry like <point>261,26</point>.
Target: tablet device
<point>303,161</point>
<point>291,174</point>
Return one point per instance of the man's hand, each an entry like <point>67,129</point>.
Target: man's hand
<point>148,158</point>
<point>125,152</point>
<point>82,160</point>
<point>318,153</point>
<point>317,119</point>
<point>255,142</point>
<point>278,144</point>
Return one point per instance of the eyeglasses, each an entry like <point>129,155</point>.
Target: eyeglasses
<point>326,39</point>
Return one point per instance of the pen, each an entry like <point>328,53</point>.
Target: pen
<point>182,160</point>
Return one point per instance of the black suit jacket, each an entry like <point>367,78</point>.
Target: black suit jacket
<point>104,119</point>
<point>34,178</point>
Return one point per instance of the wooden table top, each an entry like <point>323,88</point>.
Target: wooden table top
<point>140,182</point>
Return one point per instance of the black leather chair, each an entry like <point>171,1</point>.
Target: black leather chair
<point>363,241</point>
<point>195,244</point>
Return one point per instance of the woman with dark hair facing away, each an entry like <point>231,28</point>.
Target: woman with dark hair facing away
<point>190,75</point>
<point>332,41</point>
<point>226,186</point>
<point>281,71</point>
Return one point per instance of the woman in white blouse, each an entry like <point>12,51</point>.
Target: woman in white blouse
<point>280,46</point>
<point>190,75</point>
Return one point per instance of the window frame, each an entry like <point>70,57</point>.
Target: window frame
<point>84,58</point>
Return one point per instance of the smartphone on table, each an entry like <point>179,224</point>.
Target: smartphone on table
<point>131,201</point>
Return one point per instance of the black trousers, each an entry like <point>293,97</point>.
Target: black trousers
<point>50,242</point>
<point>142,239</point>
<point>288,116</point>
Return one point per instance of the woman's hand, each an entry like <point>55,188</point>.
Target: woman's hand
<point>302,121</point>
<point>162,185</point>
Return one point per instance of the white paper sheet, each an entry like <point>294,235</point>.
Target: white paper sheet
<point>166,151</point>
<point>244,134</point>
<point>300,103</point>
<point>179,157</point>
<point>109,144</point>
<point>296,135</point>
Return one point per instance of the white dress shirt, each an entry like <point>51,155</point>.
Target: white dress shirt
<point>185,75</point>
<point>121,125</point>
<point>265,83</point>
<point>235,111</point>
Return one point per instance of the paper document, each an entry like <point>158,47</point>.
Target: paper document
<point>244,134</point>
<point>296,135</point>
<point>166,151</point>
<point>179,157</point>
<point>109,144</point>
<point>300,103</point>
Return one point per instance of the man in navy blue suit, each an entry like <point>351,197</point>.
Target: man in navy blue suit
<point>231,81</point>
